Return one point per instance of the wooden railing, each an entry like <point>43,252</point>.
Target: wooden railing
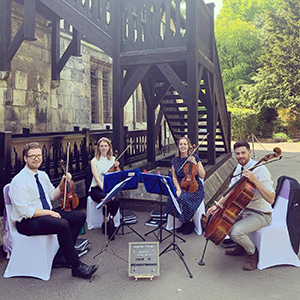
<point>148,24</point>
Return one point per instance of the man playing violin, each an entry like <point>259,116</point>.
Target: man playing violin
<point>31,191</point>
<point>258,212</point>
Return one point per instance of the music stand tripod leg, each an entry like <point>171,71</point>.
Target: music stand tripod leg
<point>123,224</point>
<point>177,250</point>
<point>106,247</point>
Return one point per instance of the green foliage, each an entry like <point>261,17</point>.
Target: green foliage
<point>277,84</point>
<point>288,121</point>
<point>281,137</point>
<point>247,10</point>
<point>239,50</point>
<point>243,123</point>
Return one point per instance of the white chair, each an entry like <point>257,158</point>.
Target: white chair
<point>94,216</point>
<point>30,255</point>
<point>197,220</point>
<point>273,242</point>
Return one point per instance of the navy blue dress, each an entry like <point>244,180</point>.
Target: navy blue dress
<point>188,202</point>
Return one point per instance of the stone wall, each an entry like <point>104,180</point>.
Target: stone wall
<point>29,98</point>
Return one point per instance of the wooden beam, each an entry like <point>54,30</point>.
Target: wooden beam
<point>163,55</point>
<point>151,138</point>
<point>29,20</point>
<point>173,79</point>
<point>161,94</point>
<point>15,44</point>
<point>204,61</point>
<point>72,50</point>
<point>5,33</point>
<point>55,51</point>
<point>93,33</point>
<point>133,82</point>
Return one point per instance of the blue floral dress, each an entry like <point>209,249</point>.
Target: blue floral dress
<point>188,202</point>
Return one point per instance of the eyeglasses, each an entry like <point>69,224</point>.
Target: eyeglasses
<point>34,157</point>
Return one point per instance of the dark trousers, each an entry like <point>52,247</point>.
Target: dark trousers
<point>67,229</point>
<point>112,206</point>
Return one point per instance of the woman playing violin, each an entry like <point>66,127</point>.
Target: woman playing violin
<point>100,165</point>
<point>188,202</point>
<point>258,212</point>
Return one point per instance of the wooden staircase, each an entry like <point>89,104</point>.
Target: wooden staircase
<point>173,57</point>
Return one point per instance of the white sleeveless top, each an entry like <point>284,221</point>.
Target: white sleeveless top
<point>103,165</point>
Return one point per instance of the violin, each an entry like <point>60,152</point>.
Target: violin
<point>70,199</point>
<point>115,168</point>
<point>189,182</point>
<point>218,225</point>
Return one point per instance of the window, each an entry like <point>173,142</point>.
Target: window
<point>101,93</point>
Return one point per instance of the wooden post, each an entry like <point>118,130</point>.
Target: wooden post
<point>118,109</point>
<point>5,33</point>
<point>192,72</point>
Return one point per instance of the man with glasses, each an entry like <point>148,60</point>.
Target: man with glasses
<point>31,192</point>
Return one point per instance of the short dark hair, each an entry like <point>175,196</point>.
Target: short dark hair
<point>241,144</point>
<point>31,146</point>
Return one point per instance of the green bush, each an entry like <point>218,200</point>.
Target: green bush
<point>281,137</point>
<point>243,123</point>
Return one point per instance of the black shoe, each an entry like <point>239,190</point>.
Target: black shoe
<point>60,263</point>
<point>190,226</point>
<point>181,228</point>
<point>111,229</point>
<point>84,271</point>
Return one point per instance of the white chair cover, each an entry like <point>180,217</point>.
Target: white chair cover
<point>30,255</point>
<point>94,216</point>
<point>197,220</point>
<point>273,242</point>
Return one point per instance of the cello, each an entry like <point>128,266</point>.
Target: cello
<point>219,223</point>
<point>70,199</point>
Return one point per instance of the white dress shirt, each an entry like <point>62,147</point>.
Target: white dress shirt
<point>25,195</point>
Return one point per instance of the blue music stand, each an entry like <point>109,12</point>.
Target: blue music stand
<point>115,182</point>
<point>157,184</point>
<point>163,185</point>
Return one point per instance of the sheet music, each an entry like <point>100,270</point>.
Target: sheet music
<point>114,190</point>
<point>172,195</point>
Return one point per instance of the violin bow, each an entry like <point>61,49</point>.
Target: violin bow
<point>66,170</point>
<point>119,156</point>
<point>193,152</point>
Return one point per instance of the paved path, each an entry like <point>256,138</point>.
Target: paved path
<point>222,278</point>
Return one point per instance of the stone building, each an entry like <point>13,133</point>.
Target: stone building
<point>82,97</point>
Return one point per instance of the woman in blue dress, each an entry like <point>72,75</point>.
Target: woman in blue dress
<point>188,202</point>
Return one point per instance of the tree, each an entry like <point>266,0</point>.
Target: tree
<point>277,84</point>
<point>239,48</point>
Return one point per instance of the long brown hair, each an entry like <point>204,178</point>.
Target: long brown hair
<point>109,152</point>
<point>189,146</point>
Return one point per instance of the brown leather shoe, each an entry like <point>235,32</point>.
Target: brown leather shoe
<point>238,250</point>
<point>252,261</point>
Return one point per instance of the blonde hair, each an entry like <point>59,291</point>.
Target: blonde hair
<point>189,146</point>
<point>110,151</point>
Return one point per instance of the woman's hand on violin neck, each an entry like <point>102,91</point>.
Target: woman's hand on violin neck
<point>192,159</point>
<point>116,164</point>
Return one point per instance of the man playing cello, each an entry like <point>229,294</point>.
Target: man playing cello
<point>258,212</point>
